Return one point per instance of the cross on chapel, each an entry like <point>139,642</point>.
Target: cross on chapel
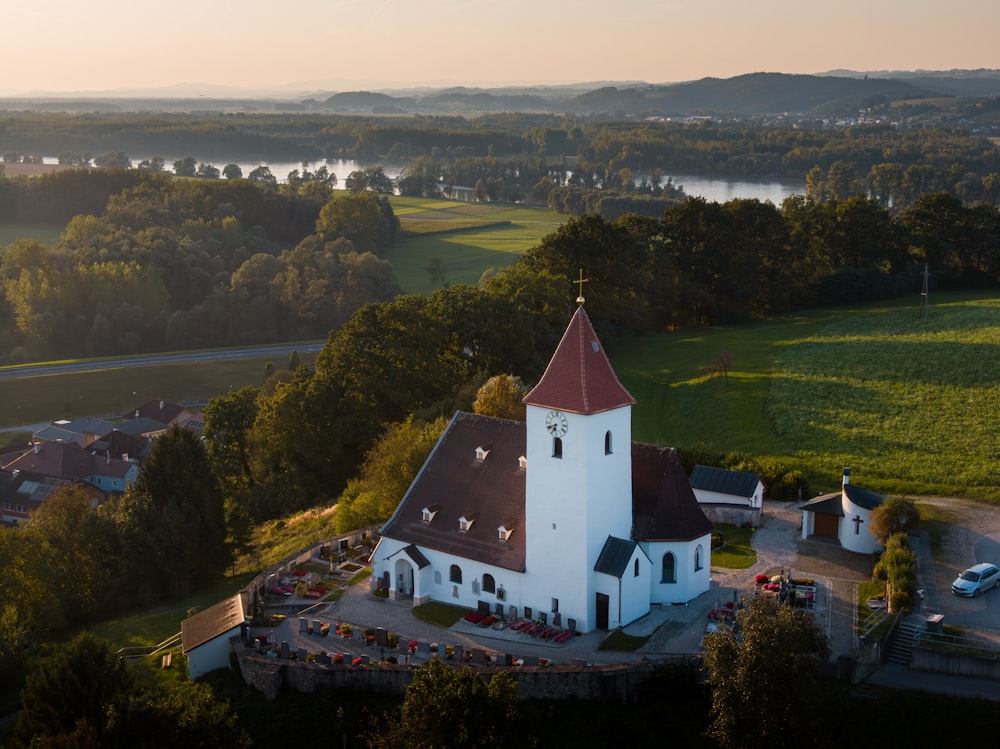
<point>581,282</point>
<point>857,524</point>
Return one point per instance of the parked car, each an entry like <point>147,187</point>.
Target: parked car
<point>976,579</point>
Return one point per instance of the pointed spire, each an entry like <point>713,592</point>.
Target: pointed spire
<point>579,377</point>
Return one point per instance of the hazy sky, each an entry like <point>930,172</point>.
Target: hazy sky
<point>69,45</point>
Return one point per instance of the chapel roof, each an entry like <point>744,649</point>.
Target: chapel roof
<point>865,498</point>
<point>579,377</point>
<point>460,484</point>
<point>664,507</point>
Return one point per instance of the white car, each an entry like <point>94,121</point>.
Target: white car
<point>976,579</point>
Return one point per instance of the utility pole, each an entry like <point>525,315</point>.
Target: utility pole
<point>923,294</point>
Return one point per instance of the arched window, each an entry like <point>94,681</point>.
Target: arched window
<point>557,447</point>
<point>698,553</point>
<point>455,574</point>
<point>635,568</point>
<point>607,443</point>
<point>489,584</point>
<point>437,577</point>
<point>669,574</point>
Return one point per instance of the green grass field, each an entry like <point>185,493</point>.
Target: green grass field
<point>47,234</point>
<point>910,405</point>
<point>33,400</point>
<point>467,237</point>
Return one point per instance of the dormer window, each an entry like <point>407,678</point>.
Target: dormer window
<point>504,531</point>
<point>465,522</point>
<point>522,463</point>
<point>482,452</point>
<point>427,514</point>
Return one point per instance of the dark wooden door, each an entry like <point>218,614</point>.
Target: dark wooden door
<point>603,604</point>
<point>826,526</point>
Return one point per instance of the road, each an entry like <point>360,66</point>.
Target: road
<point>98,365</point>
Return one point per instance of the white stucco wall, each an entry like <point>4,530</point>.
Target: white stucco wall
<point>853,536</point>
<point>211,655</point>
<point>690,583</point>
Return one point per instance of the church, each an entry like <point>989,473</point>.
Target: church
<point>560,518</point>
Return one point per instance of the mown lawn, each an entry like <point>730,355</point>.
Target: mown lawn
<point>467,237</point>
<point>910,405</point>
<point>738,553</point>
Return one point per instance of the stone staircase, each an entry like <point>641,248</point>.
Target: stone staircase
<point>902,640</point>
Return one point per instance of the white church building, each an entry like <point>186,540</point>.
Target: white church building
<point>561,518</point>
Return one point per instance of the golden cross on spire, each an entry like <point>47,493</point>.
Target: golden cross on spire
<point>581,281</point>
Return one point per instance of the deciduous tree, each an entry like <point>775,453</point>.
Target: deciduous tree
<point>761,673</point>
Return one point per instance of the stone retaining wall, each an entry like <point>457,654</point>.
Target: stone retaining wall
<point>959,664</point>
<point>603,684</point>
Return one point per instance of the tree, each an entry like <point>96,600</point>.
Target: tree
<point>364,219</point>
<point>207,171</point>
<point>262,175</point>
<point>76,542</point>
<point>761,674</point>
<point>81,690</point>
<point>86,695</point>
<point>501,396</point>
<point>184,499</point>
<point>232,171</point>
<point>113,160</point>
<point>723,362</point>
<point>894,515</point>
<point>897,566</point>
<point>186,167</point>
<point>389,468</point>
<point>455,708</point>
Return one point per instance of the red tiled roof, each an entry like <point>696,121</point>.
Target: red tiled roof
<point>579,378</point>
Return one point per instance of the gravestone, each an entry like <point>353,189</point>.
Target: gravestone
<point>459,653</point>
<point>316,625</point>
<point>283,650</point>
<point>364,660</point>
<point>303,625</point>
<point>324,659</point>
<point>478,656</point>
<point>302,654</point>
<point>381,637</point>
<point>580,662</point>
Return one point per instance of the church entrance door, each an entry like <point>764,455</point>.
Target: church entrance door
<point>603,604</point>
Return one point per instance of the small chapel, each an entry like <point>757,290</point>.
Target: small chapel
<point>560,518</point>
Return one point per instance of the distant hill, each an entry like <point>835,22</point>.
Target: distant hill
<point>821,95</point>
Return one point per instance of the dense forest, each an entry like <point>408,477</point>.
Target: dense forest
<point>527,155</point>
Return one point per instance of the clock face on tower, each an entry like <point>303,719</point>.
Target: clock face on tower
<point>556,424</point>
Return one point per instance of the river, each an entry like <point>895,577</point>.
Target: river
<point>713,189</point>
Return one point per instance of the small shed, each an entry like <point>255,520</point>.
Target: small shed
<point>205,636</point>
<point>734,497</point>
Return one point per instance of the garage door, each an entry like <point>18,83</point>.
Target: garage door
<point>826,526</point>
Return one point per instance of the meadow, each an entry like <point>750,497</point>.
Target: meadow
<point>910,405</point>
<point>467,238</point>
